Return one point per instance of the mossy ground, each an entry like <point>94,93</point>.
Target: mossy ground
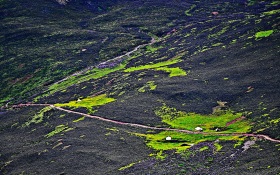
<point>218,58</point>
<point>88,102</point>
<point>189,121</point>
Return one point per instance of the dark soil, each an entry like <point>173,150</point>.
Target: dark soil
<point>41,42</point>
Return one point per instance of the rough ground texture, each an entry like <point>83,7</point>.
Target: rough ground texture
<point>223,56</point>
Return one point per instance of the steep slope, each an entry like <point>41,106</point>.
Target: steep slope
<point>148,63</point>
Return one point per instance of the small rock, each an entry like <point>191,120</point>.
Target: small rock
<point>215,13</point>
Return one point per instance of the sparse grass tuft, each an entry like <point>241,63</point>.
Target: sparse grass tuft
<point>272,12</point>
<point>38,118</point>
<point>150,86</point>
<point>59,129</point>
<point>79,119</point>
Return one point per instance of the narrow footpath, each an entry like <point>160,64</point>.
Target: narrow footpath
<point>260,136</point>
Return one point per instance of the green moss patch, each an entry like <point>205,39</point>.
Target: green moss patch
<point>173,72</point>
<point>161,66</point>
<point>88,102</point>
<point>262,34</point>
<point>187,12</point>
<point>79,119</point>
<point>226,122</point>
<point>59,129</point>
<point>38,118</point>
<point>92,74</point>
<point>272,12</point>
<point>127,166</point>
<point>153,66</point>
<point>149,86</point>
<point>209,123</point>
<point>149,48</point>
<point>181,141</point>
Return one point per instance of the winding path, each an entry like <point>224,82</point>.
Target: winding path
<point>150,127</point>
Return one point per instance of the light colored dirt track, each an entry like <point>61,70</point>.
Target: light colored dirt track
<point>261,136</point>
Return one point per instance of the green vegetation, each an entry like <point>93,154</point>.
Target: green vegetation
<point>153,66</point>
<point>173,72</point>
<point>161,66</point>
<point>203,148</point>
<point>275,3</point>
<point>79,119</point>
<point>127,166</point>
<point>38,118</point>
<point>159,155</point>
<point>189,121</point>
<point>149,48</point>
<point>251,2</point>
<point>262,34</point>
<point>218,146</point>
<point>92,74</point>
<point>217,44</point>
<point>187,12</point>
<point>215,35</point>
<point>88,102</point>
<point>180,141</point>
<point>272,12</point>
<point>150,86</point>
<point>59,129</point>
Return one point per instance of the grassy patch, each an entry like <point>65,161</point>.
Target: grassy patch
<point>275,3</point>
<point>272,12</point>
<point>88,102</point>
<point>187,12</point>
<point>203,148</point>
<point>161,66</point>
<point>153,66</point>
<point>159,155</point>
<point>215,35</point>
<point>150,86</point>
<point>149,48</point>
<point>79,119</point>
<point>189,121</point>
<point>180,141</point>
<point>262,34</point>
<point>92,74</point>
<point>127,166</point>
<point>217,44</point>
<point>59,129</point>
<point>38,118</point>
<point>218,146</point>
<point>173,72</point>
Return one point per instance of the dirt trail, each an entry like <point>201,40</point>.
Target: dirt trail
<point>261,136</point>
<point>167,129</point>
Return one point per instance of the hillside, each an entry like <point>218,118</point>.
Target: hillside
<point>139,87</point>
